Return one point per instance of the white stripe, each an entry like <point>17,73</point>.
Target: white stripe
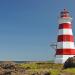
<point>65,32</point>
<point>65,20</point>
<point>62,58</point>
<point>62,45</point>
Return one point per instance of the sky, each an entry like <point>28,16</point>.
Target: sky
<point>29,27</point>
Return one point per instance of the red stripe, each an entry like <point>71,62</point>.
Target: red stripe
<point>64,16</point>
<point>65,38</point>
<point>64,25</point>
<point>65,52</point>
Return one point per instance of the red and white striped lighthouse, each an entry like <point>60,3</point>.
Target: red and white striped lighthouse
<point>65,40</point>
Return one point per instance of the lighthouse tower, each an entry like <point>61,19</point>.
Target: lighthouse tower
<point>65,40</point>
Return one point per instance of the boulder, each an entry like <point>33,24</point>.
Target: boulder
<point>69,63</point>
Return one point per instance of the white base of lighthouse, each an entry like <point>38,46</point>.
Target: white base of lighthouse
<point>62,58</point>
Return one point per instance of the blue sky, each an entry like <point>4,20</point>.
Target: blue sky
<point>28,27</point>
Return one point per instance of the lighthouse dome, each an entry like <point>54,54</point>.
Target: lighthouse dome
<point>64,13</point>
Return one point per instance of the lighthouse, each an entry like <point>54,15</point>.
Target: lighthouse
<point>65,39</point>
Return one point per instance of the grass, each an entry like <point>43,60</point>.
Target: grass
<point>70,70</point>
<point>29,66</point>
<point>41,65</point>
<point>54,72</point>
<point>54,69</point>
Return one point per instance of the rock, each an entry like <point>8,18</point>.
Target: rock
<point>70,63</point>
<point>1,71</point>
<point>8,65</point>
<point>47,73</point>
<point>35,73</point>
